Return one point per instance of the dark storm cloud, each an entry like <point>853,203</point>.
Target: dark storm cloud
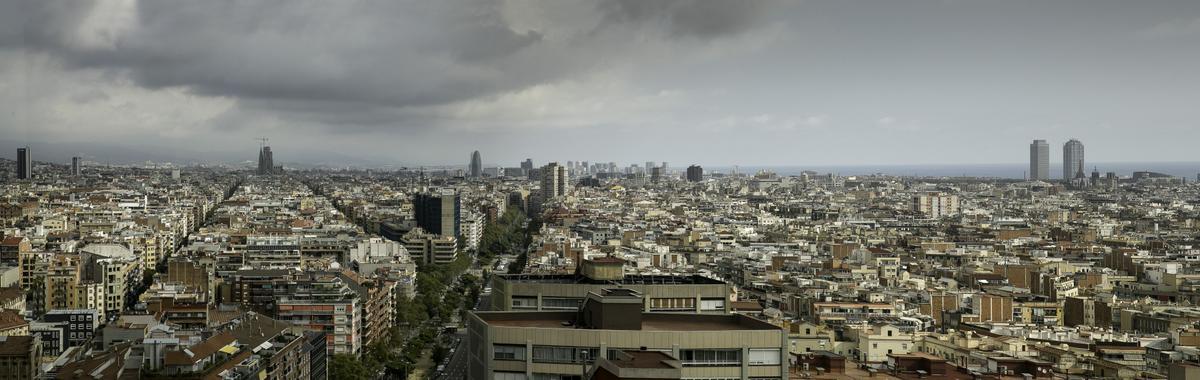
<point>343,58</point>
<point>690,18</point>
<point>39,24</point>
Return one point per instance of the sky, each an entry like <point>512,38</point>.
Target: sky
<point>397,82</point>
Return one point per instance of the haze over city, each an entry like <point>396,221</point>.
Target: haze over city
<point>769,83</point>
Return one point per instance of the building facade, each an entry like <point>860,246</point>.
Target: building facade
<point>1072,159</point>
<point>1039,160</point>
<point>556,345</point>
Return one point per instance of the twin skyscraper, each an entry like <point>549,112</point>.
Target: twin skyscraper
<point>1039,160</point>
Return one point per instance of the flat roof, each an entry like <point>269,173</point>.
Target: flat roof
<point>650,321</point>
<point>628,279</point>
<point>644,359</point>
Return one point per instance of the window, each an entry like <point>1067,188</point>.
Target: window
<point>730,357</point>
<point>712,304</point>
<point>524,302</point>
<point>508,352</point>
<point>508,376</point>
<point>668,304</point>
<point>551,354</point>
<point>764,356</point>
<point>561,303</point>
<point>889,332</point>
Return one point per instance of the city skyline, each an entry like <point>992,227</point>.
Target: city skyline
<point>782,84</point>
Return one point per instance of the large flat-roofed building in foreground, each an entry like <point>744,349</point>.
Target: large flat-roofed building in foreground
<point>567,344</point>
<point>661,293</point>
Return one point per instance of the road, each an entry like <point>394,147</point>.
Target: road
<point>456,365</point>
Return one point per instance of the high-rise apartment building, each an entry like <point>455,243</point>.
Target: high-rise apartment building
<point>266,161</point>
<point>24,164</point>
<point>76,166</point>
<point>438,212</point>
<point>476,169</point>
<point>1072,159</point>
<point>554,181</point>
<point>695,173</point>
<point>1039,160</point>
<point>935,205</point>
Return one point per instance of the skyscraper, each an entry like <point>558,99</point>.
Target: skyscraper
<point>1039,160</point>
<point>527,165</point>
<point>438,212</point>
<point>695,173</point>
<point>24,164</point>
<point>266,161</point>
<point>554,181</point>
<point>1072,159</point>
<point>76,166</point>
<point>476,165</point>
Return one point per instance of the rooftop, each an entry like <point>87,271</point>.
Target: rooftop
<point>629,279</point>
<point>650,321</point>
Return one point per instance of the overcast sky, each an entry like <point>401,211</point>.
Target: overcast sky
<point>710,82</point>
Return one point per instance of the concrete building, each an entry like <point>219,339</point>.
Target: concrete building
<point>24,164</point>
<point>438,212</point>
<point>935,205</point>
<point>427,248</point>
<point>79,325</point>
<point>76,166</point>
<point>1073,163</point>
<point>20,357</point>
<point>554,181</point>
<point>563,344</point>
<point>695,173</point>
<point>1039,160</point>
<point>661,293</point>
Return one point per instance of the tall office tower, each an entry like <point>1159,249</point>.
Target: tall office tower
<point>1039,160</point>
<point>438,212</point>
<point>476,165</point>
<point>266,161</point>
<point>695,173</point>
<point>656,174</point>
<point>76,166</point>
<point>666,167</point>
<point>649,166</point>
<point>24,164</point>
<point>1072,159</point>
<point>554,181</point>
<point>527,165</point>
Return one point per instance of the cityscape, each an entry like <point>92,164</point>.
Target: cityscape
<point>758,190</point>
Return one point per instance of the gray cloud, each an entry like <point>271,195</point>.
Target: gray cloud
<point>728,81</point>
<point>701,19</point>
